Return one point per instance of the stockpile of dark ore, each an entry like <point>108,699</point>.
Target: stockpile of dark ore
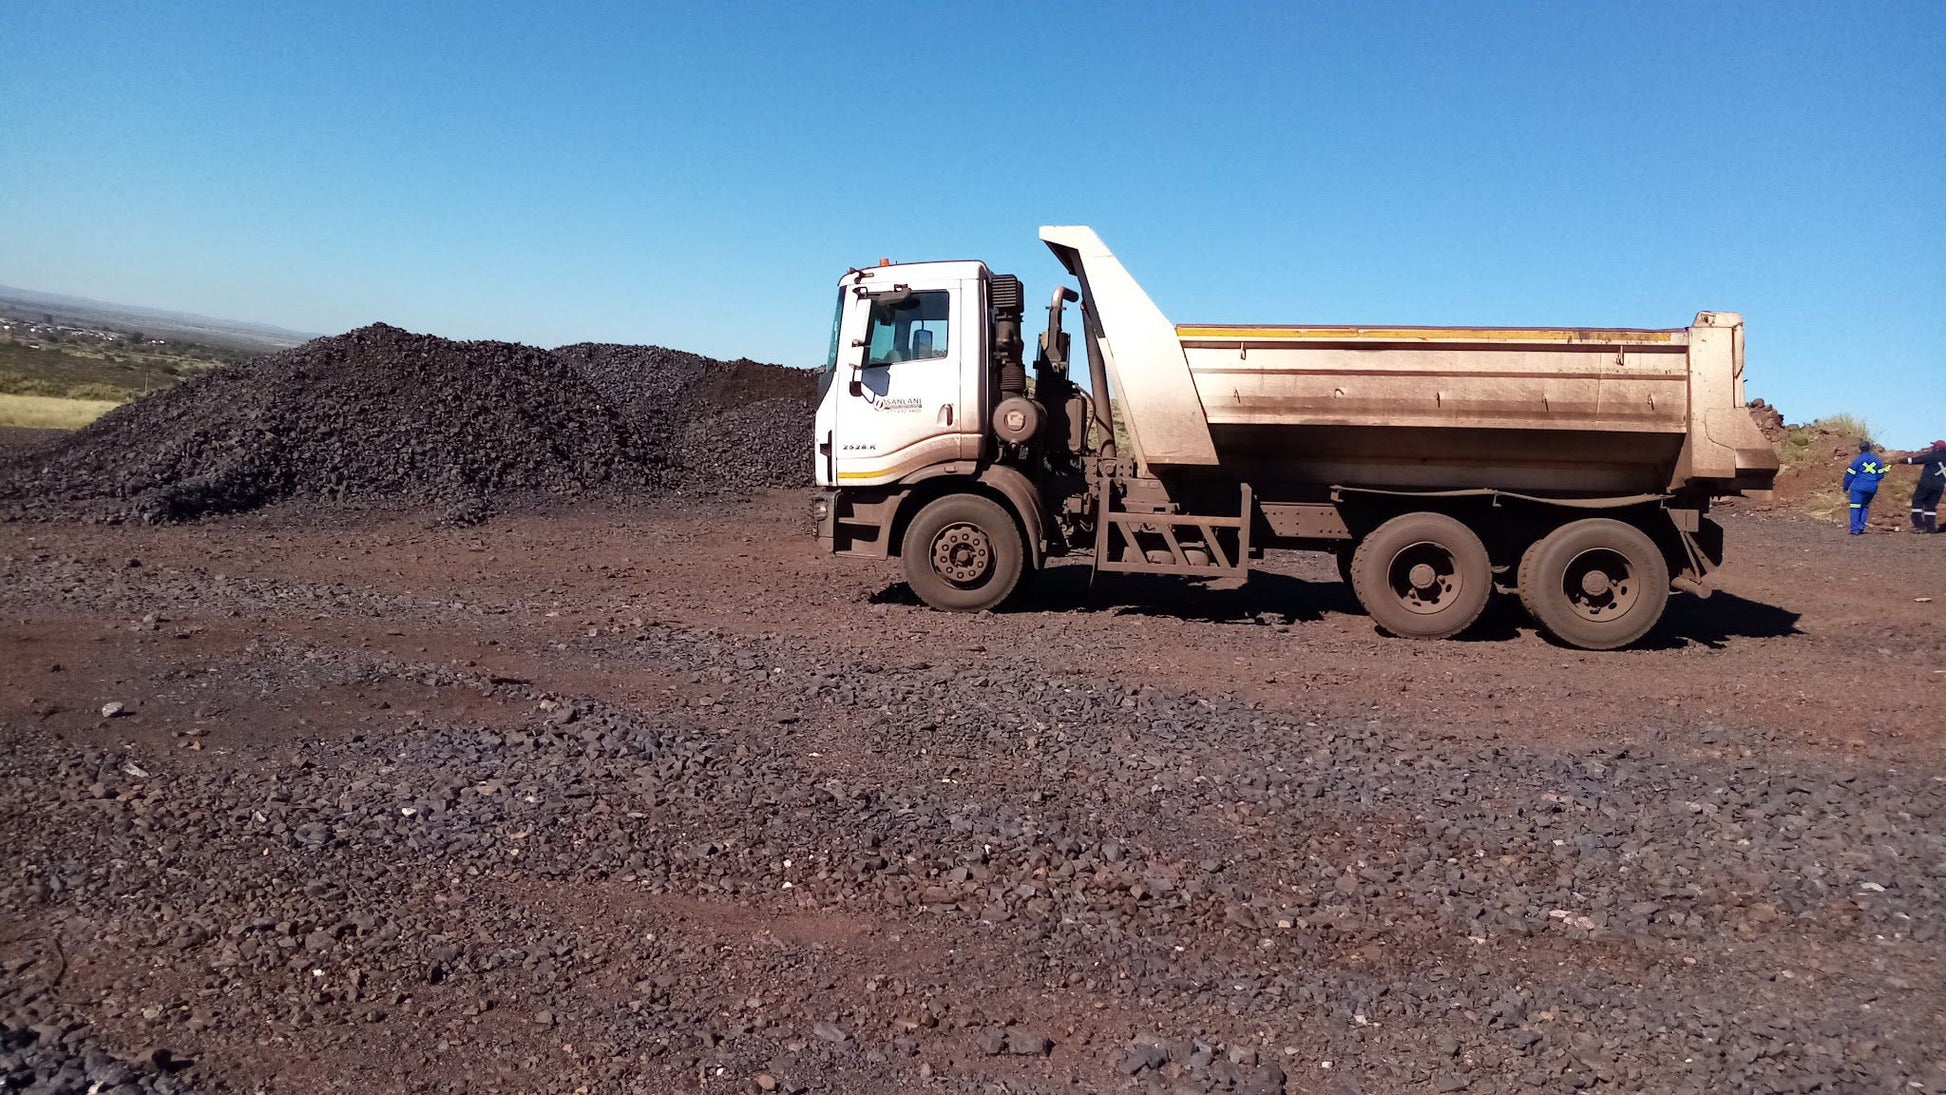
<point>384,415</point>
<point>722,425</point>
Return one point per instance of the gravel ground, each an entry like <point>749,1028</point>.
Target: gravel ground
<point>656,798</point>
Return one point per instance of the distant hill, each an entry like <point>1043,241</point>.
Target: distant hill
<point>31,304</point>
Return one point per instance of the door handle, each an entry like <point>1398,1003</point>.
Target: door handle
<point>946,415</point>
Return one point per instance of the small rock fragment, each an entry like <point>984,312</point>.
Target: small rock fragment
<point>1142,1056</point>
<point>1028,1043</point>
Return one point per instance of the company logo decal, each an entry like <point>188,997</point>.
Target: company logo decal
<point>901,405</point>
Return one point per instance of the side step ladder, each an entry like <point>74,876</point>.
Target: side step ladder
<point>1166,542</point>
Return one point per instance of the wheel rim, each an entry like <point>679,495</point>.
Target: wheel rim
<point>1425,578</point>
<point>962,554</point>
<point>1600,584</point>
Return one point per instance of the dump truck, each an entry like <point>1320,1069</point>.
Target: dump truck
<point>1570,467</point>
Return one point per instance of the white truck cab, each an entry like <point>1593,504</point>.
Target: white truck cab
<point>907,385</point>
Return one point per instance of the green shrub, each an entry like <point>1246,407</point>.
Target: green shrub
<point>12,383</point>
<point>1796,449</point>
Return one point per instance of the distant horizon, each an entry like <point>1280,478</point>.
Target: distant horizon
<point>57,299</point>
<point>246,326</point>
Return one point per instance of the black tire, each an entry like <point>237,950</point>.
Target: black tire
<point>1422,576</point>
<point>1343,554</point>
<point>963,553</point>
<point>1596,584</point>
<point>1522,586</point>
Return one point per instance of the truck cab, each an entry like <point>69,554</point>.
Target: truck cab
<point>898,394</point>
<point>928,446</point>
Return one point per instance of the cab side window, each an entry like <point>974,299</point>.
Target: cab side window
<point>911,330</point>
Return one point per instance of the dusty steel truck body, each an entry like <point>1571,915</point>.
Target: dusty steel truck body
<point>1571,466</point>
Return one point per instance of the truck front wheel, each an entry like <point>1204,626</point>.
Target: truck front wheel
<point>1596,584</point>
<point>963,553</point>
<point>1422,576</point>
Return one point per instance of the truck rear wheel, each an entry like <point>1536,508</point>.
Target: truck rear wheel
<point>1422,576</point>
<point>1596,584</point>
<point>963,553</point>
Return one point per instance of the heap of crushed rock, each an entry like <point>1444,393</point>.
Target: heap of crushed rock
<point>721,425</point>
<point>383,415</point>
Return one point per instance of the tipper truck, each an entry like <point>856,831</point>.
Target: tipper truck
<point>1571,467</point>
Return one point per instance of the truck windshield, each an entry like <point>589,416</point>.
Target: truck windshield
<point>831,356</point>
<point>837,320</point>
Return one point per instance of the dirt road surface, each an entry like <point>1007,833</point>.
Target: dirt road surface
<point>650,798</point>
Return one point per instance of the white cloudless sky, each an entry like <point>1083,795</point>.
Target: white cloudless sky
<point>699,175</point>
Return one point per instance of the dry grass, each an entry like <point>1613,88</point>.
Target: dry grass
<point>1844,425</point>
<point>45,412</point>
<point>1828,505</point>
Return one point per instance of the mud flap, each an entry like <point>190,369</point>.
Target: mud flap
<point>1703,546</point>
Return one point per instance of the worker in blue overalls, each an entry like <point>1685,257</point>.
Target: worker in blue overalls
<point>1861,483</point>
<point>1932,483</point>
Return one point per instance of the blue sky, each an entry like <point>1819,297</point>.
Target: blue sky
<point>699,175</point>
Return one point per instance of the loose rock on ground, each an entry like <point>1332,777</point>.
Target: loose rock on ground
<point>686,805</point>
